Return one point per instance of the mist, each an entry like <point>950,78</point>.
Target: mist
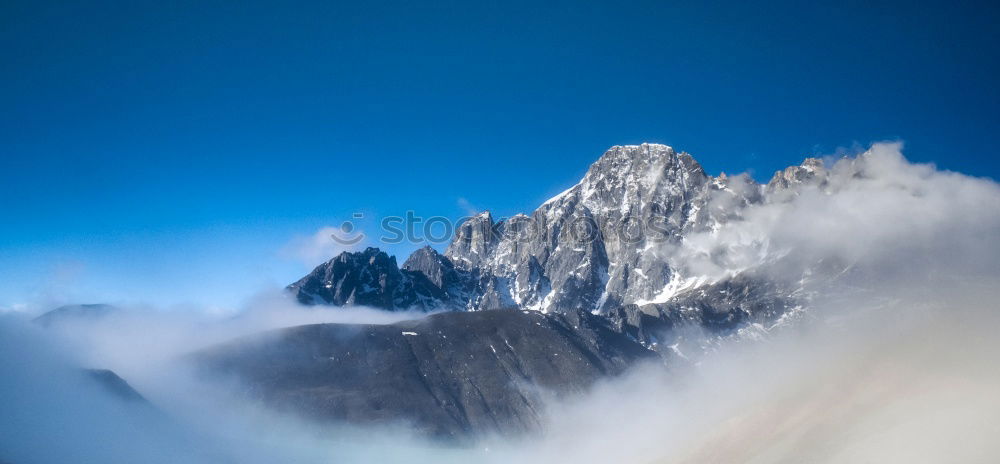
<point>892,359</point>
<point>54,413</point>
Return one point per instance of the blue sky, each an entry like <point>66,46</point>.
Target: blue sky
<point>179,152</point>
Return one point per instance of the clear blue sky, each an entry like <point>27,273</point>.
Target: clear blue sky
<point>170,151</point>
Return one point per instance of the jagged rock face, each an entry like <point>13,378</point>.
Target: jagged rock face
<point>720,308</point>
<point>456,288</point>
<point>599,244</point>
<point>438,269</point>
<point>474,241</point>
<point>448,375</point>
<point>811,171</point>
<point>369,278</point>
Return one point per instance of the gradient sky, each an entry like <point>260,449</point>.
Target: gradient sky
<point>183,152</point>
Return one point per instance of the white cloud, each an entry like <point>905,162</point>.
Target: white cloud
<point>876,210</point>
<point>321,246</point>
<point>467,207</point>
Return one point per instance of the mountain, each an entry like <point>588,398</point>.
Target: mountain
<point>75,312</point>
<point>368,278</point>
<point>116,386</point>
<point>449,375</point>
<point>604,245</point>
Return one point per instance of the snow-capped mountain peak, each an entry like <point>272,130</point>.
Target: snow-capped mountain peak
<point>605,245</point>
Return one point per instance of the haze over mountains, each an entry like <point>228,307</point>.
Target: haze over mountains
<point>870,275</point>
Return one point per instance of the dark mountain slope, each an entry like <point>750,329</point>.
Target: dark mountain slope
<point>115,385</point>
<point>448,375</point>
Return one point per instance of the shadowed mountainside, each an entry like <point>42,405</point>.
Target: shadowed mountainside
<point>448,375</point>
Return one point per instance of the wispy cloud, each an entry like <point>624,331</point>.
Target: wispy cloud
<point>324,244</point>
<point>467,207</point>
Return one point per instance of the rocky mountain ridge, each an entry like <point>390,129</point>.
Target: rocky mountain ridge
<point>602,246</point>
